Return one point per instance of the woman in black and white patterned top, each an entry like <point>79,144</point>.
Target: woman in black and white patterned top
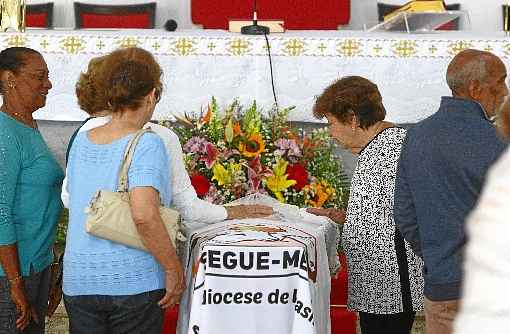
<point>385,279</point>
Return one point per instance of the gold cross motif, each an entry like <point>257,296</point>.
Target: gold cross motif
<point>488,48</point>
<point>322,47</point>
<point>377,49</point>
<point>405,48</point>
<point>349,48</point>
<point>294,47</point>
<point>156,46</point>
<point>44,44</point>
<point>17,41</point>
<point>184,47</point>
<point>128,42</point>
<point>100,45</point>
<point>72,44</point>
<point>433,49</point>
<point>239,47</point>
<point>457,47</point>
<point>507,49</point>
<point>211,46</point>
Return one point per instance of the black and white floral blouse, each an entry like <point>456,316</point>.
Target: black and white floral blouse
<point>384,274</point>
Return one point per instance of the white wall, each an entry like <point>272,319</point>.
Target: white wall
<point>485,14</point>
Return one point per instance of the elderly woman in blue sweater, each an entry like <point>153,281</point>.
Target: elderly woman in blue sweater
<point>108,287</point>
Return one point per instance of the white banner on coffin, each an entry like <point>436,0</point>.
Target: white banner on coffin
<point>252,290</point>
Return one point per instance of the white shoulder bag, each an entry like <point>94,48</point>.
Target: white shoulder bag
<point>109,212</point>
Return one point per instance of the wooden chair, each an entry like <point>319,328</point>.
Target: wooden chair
<point>384,9</point>
<point>40,15</point>
<point>139,16</point>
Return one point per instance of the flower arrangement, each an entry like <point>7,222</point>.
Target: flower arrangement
<point>238,152</point>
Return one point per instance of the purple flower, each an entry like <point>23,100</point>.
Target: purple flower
<point>195,145</point>
<point>213,196</point>
<point>288,147</point>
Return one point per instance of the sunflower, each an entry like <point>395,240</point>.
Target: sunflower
<point>252,146</point>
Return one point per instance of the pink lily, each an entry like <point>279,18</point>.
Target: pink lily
<point>211,155</point>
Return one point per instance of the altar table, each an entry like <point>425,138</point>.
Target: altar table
<point>198,64</point>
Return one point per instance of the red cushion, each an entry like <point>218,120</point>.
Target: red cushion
<point>343,321</point>
<point>297,14</point>
<point>135,20</point>
<point>170,321</point>
<point>339,284</point>
<point>36,20</point>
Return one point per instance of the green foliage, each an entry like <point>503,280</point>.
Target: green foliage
<point>62,227</point>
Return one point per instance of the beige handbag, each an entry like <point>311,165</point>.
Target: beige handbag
<point>109,212</point>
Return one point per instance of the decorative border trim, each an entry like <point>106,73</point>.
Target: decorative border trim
<point>182,45</point>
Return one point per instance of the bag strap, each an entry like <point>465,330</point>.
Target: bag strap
<point>122,185</point>
<point>73,137</point>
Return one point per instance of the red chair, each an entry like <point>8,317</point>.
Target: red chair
<point>343,321</point>
<point>139,16</point>
<point>297,14</point>
<point>40,15</point>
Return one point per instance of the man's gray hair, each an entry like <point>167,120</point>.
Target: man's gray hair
<point>468,65</point>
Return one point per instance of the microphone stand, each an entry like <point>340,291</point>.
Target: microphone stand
<point>254,29</point>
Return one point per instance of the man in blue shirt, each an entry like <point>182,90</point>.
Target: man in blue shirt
<point>440,175</point>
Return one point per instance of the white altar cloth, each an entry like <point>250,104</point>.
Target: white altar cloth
<point>409,69</point>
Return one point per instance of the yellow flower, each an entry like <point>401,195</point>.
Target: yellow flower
<point>278,181</point>
<point>253,146</point>
<point>318,194</point>
<point>221,175</point>
<point>234,169</point>
<point>225,176</point>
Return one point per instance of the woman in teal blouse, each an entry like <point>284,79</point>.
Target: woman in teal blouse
<point>30,181</point>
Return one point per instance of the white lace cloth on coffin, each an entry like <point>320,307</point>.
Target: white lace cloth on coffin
<point>325,227</point>
<point>408,69</point>
<point>326,238</point>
